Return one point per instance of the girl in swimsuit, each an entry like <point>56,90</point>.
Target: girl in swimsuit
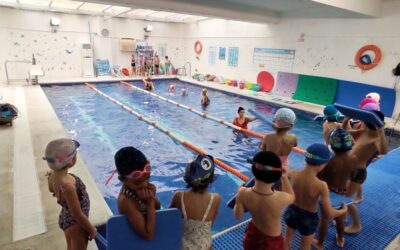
<point>133,64</point>
<point>70,193</point>
<point>157,64</point>
<point>137,197</point>
<point>199,207</point>
<point>242,120</point>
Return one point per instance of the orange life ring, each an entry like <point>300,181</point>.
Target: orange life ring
<point>198,47</point>
<point>377,59</point>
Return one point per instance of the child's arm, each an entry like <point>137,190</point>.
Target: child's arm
<point>263,145</point>
<point>238,209</point>
<point>174,203</point>
<point>49,182</point>
<point>382,144</point>
<point>156,201</point>
<point>71,198</point>
<point>287,189</point>
<point>143,226</point>
<point>326,203</point>
<point>217,201</point>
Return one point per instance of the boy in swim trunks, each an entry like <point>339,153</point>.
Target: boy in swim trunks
<point>337,174</point>
<point>242,120</point>
<point>331,115</point>
<point>148,84</point>
<point>204,99</point>
<point>309,190</point>
<point>264,204</point>
<point>280,142</point>
<point>371,139</point>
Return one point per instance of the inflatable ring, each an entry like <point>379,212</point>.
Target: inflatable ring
<point>198,47</point>
<point>377,59</point>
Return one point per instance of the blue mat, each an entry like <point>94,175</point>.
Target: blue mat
<point>379,212</point>
<point>351,93</point>
<point>360,114</point>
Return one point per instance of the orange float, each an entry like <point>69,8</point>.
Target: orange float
<point>198,47</point>
<point>377,59</point>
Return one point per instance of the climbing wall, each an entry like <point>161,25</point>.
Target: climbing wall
<point>314,89</point>
<point>286,84</point>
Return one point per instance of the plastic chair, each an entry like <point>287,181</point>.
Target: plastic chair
<point>118,234</point>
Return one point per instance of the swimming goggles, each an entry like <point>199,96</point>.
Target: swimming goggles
<point>138,174</point>
<point>53,160</point>
<point>267,168</point>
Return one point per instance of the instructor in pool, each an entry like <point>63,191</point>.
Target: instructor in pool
<point>242,120</point>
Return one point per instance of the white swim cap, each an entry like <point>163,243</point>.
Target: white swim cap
<point>374,96</point>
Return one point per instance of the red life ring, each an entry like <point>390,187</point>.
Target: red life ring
<point>377,59</point>
<point>198,47</point>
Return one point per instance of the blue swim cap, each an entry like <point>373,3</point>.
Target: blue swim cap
<point>200,171</point>
<point>331,113</point>
<point>340,139</point>
<point>317,154</point>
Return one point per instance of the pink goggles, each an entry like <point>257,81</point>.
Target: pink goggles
<point>138,174</point>
<point>267,168</point>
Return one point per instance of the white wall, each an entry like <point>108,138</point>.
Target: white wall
<point>328,49</point>
<point>25,32</point>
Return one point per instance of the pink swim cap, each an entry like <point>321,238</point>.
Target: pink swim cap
<point>371,106</point>
<point>365,101</point>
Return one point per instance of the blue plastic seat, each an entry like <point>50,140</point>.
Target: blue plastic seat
<point>118,234</point>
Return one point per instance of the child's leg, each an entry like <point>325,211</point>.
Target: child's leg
<point>68,239</point>
<point>340,221</point>
<point>78,237</point>
<point>359,195</point>
<point>306,242</point>
<point>322,230</point>
<point>289,237</point>
<point>353,211</point>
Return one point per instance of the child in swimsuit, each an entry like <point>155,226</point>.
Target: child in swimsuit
<point>137,197</point>
<point>331,115</point>
<point>371,139</point>
<point>199,207</point>
<point>157,64</point>
<point>148,84</point>
<point>70,192</point>
<point>340,169</point>
<point>242,120</point>
<point>280,142</point>
<point>133,64</point>
<point>167,65</point>
<point>264,230</point>
<point>309,190</point>
<point>204,99</point>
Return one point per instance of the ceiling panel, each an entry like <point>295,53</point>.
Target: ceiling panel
<point>65,4</point>
<point>93,7</point>
<point>38,3</point>
<point>115,10</point>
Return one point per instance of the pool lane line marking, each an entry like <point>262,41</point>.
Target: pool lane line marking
<point>169,133</point>
<point>28,216</point>
<point>205,115</point>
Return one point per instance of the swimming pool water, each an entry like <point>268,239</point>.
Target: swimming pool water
<point>103,127</point>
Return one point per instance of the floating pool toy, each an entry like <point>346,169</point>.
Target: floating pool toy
<point>359,114</point>
<point>260,116</point>
<point>118,234</point>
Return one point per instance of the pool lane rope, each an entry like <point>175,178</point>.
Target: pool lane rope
<point>170,134</point>
<point>205,115</point>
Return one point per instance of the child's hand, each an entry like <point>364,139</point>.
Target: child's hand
<point>93,233</point>
<point>145,194</point>
<point>344,208</point>
<point>152,188</point>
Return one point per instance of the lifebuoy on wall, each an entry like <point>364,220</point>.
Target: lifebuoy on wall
<point>377,59</point>
<point>198,47</point>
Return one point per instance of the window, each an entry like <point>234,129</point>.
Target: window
<point>162,50</point>
<point>222,52</point>
<point>233,56</point>
<point>212,54</point>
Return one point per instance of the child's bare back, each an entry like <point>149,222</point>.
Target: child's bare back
<point>279,143</point>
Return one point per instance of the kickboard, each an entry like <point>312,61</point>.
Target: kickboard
<point>337,200</point>
<point>232,201</point>
<point>359,114</point>
<point>120,235</point>
<point>320,118</point>
<point>260,116</point>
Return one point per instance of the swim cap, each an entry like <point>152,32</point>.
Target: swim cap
<point>317,154</point>
<point>128,159</point>
<point>284,118</point>
<point>365,101</point>
<point>371,106</point>
<point>341,139</point>
<point>374,96</point>
<point>200,171</point>
<point>148,79</point>
<point>60,153</point>
<point>331,113</point>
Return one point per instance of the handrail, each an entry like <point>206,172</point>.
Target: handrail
<point>205,115</point>
<point>16,61</point>
<point>190,68</point>
<point>170,134</point>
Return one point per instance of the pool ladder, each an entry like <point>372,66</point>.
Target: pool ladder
<point>182,70</point>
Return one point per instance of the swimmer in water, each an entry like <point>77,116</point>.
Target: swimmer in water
<point>205,100</point>
<point>148,84</point>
